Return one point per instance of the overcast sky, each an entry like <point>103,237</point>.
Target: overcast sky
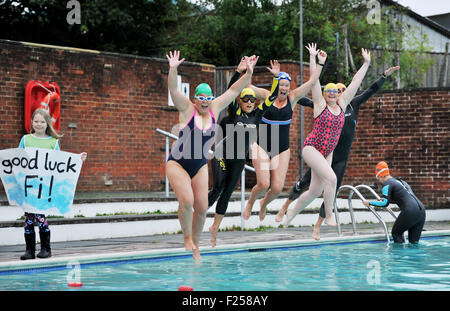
<point>427,7</point>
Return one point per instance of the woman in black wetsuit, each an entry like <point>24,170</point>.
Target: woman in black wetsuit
<point>240,131</point>
<point>412,211</point>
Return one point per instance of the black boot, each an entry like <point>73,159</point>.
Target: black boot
<point>30,242</point>
<point>45,245</point>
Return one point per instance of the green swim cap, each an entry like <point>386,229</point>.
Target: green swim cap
<point>203,88</point>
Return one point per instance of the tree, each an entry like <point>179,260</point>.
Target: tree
<point>220,32</point>
<point>134,27</point>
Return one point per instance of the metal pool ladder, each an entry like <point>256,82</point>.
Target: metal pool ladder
<point>354,190</point>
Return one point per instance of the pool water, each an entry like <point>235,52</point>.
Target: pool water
<point>364,266</point>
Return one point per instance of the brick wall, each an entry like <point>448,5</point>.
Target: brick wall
<point>410,130</point>
<point>117,102</point>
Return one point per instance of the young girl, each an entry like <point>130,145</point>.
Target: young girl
<point>43,135</point>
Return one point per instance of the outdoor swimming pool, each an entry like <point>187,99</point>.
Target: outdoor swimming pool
<point>370,265</point>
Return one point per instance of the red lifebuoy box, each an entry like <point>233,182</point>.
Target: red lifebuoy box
<point>46,95</point>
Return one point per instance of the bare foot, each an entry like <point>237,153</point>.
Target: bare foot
<point>196,255</point>
<point>280,214</point>
<point>330,221</point>
<point>316,233</point>
<point>289,216</point>
<point>247,212</point>
<point>213,236</point>
<point>262,212</point>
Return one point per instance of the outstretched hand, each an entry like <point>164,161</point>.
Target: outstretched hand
<point>250,63</point>
<point>274,68</point>
<point>391,70</point>
<point>174,59</point>
<point>366,55</point>
<point>242,66</point>
<point>312,48</point>
<point>322,57</point>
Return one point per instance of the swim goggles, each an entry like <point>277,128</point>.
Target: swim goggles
<point>332,91</point>
<point>284,75</point>
<point>248,98</point>
<point>203,98</point>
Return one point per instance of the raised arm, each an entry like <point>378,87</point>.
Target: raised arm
<point>351,90</point>
<point>232,108</point>
<point>273,94</point>
<point>375,87</point>
<point>181,102</point>
<point>316,89</point>
<point>313,81</point>
<point>221,102</point>
<point>306,102</point>
<point>262,93</point>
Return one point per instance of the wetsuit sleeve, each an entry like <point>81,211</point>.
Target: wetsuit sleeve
<point>364,96</point>
<point>271,98</point>
<point>325,66</point>
<point>232,108</point>
<point>305,101</point>
<point>386,191</point>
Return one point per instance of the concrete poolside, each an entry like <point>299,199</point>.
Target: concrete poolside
<point>75,249</point>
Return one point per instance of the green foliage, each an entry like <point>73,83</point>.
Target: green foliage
<point>134,27</point>
<point>220,32</point>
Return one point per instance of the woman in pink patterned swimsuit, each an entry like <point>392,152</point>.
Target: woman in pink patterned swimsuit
<point>327,128</point>
<point>319,145</point>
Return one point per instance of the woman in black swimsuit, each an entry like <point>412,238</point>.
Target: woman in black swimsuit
<point>271,168</point>
<point>198,118</point>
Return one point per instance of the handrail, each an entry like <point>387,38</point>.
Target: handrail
<point>355,190</point>
<point>247,167</point>
<point>377,197</point>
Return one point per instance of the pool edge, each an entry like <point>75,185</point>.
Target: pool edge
<point>11,266</point>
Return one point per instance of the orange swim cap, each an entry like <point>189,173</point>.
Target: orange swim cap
<point>381,169</point>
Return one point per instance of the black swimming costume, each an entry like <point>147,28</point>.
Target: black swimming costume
<point>412,211</point>
<point>192,146</point>
<point>276,119</point>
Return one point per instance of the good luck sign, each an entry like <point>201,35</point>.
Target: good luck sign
<point>41,181</point>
